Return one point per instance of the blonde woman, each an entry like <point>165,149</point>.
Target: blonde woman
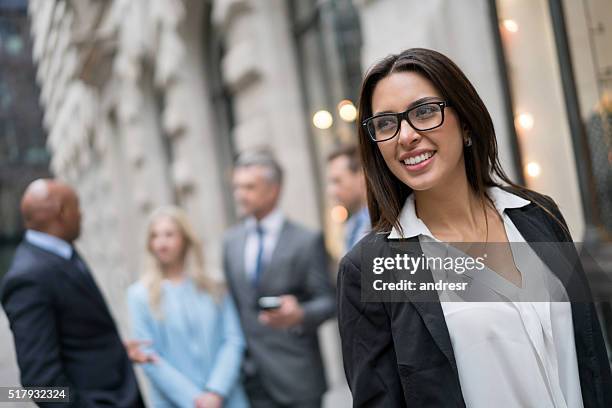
<point>196,341</point>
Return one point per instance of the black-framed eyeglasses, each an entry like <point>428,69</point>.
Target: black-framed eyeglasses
<point>422,117</point>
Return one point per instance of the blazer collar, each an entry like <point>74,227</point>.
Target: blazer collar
<point>412,225</point>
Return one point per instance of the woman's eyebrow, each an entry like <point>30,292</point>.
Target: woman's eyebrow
<point>414,103</point>
<point>423,100</point>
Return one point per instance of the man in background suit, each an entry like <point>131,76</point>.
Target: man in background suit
<point>346,185</point>
<point>268,255</point>
<point>63,331</point>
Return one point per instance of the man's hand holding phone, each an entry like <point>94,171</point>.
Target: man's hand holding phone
<point>280,312</point>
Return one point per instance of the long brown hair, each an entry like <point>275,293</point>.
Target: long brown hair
<point>386,193</point>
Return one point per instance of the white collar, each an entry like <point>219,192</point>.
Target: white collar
<point>413,226</point>
<point>503,199</point>
<point>270,223</point>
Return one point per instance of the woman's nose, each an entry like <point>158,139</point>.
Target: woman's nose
<point>407,135</point>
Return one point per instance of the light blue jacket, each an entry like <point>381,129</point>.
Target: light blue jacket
<point>199,343</point>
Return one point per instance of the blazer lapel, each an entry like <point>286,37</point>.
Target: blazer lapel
<point>433,317</point>
<point>238,271</point>
<point>78,278</point>
<point>572,277</point>
<point>429,307</point>
<point>539,236</point>
<point>86,277</point>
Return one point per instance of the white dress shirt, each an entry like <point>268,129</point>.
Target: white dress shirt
<point>272,225</point>
<point>509,353</point>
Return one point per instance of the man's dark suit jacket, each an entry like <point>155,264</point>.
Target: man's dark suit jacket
<point>400,354</point>
<point>64,333</point>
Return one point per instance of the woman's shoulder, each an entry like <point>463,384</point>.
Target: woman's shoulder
<point>545,204</point>
<point>215,292</point>
<point>373,241</point>
<point>544,207</point>
<point>137,291</point>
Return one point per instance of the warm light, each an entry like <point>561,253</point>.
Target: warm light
<point>339,214</point>
<point>510,25</point>
<point>525,121</point>
<point>347,111</point>
<point>533,169</point>
<point>322,119</point>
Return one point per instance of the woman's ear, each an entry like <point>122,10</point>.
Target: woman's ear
<point>467,135</point>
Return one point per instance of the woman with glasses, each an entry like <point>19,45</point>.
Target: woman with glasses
<point>430,158</point>
<point>196,341</point>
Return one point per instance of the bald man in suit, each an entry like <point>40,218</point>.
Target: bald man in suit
<point>64,333</point>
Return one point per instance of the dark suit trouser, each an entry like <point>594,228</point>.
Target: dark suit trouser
<point>260,398</point>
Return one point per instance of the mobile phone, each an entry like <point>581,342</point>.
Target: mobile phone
<point>269,302</point>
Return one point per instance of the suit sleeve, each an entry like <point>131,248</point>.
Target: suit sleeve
<point>30,311</point>
<point>163,376</point>
<point>320,306</point>
<point>367,344</point>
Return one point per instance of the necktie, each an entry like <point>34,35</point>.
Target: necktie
<point>259,260</point>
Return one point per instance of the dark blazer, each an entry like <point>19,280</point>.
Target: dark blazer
<point>63,331</point>
<point>400,354</point>
<point>287,362</point>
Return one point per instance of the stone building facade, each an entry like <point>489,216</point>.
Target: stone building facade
<point>128,98</point>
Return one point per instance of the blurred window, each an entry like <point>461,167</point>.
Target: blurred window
<point>222,102</point>
<point>543,103</point>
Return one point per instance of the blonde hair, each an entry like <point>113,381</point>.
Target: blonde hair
<point>153,275</point>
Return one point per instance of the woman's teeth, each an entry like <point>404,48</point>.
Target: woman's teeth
<point>417,159</point>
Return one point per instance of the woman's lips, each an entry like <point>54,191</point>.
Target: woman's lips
<point>421,165</point>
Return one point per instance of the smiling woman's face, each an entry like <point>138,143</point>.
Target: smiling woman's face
<point>398,92</point>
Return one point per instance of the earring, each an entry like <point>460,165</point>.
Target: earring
<point>468,141</point>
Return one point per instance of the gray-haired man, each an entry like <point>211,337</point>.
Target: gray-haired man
<point>278,274</point>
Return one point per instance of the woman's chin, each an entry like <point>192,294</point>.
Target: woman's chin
<point>166,263</point>
<point>422,183</point>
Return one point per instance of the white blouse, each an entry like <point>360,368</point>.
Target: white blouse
<point>515,352</point>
